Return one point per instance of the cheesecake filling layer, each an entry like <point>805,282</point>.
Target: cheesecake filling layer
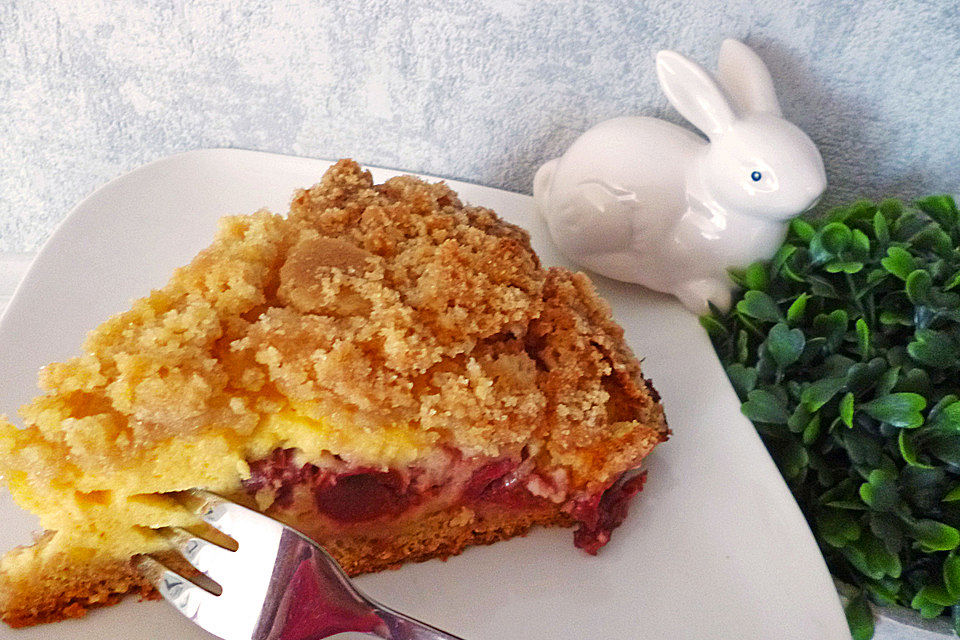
<point>287,468</point>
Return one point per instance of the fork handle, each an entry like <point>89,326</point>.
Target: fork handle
<point>401,627</point>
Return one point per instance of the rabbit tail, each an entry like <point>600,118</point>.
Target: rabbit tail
<point>542,181</point>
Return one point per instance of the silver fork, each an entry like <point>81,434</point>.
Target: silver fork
<point>277,585</point>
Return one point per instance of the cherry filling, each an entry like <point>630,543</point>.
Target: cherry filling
<point>487,480</point>
<point>365,495</point>
<point>501,482</point>
<point>601,514</point>
<point>353,494</point>
<point>360,494</point>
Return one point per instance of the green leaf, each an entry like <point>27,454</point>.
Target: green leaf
<point>871,557</point>
<point>820,392</point>
<point>908,450</point>
<point>848,505</point>
<point>836,365</point>
<point>881,229</point>
<point>862,376</point>
<point>797,308</point>
<point>938,595</point>
<point>946,419</point>
<point>843,266</point>
<point>952,281</point>
<point>831,326</point>
<point>899,262</point>
<point>778,263</point>
<point>737,277</point>
<point>896,318</point>
<point>763,406</point>
<point>951,574</point>
<point>890,208</point>
<point>945,447</point>
<point>837,527</point>
<point>846,409</point>
<point>713,326</point>
<point>743,346</point>
<point>914,381</point>
<point>812,431</point>
<point>889,529</point>
<point>934,349</point>
<point>860,245</point>
<point>884,591</point>
<point>880,490</point>
<point>744,379</point>
<point>887,381</point>
<point>822,287</point>
<point>900,410</point>
<point>941,243</point>
<point>861,210</point>
<point>863,338</point>
<point>859,618</point>
<point>785,344</point>
<point>875,276</point>
<point>755,276</point>
<point>803,229</point>
<point>940,405</point>
<point>941,208</point>
<point>929,601</point>
<point>925,488</point>
<point>845,489</point>
<point>918,286</point>
<point>926,609</point>
<point>935,536</point>
<point>862,447</point>
<point>953,495</point>
<point>759,305</point>
<point>799,419</point>
<point>834,237</point>
<point>858,559</point>
<point>791,458</point>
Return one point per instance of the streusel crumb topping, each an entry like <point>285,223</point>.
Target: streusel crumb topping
<point>394,303</point>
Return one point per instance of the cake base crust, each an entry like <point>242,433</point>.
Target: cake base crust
<point>71,589</point>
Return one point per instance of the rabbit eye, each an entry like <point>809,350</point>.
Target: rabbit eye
<point>755,176</point>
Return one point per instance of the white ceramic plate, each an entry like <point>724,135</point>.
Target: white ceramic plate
<point>714,547</point>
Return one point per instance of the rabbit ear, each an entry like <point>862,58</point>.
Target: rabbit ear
<point>746,79</point>
<point>693,92</point>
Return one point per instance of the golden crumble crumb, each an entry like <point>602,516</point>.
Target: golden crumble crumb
<point>394,300</point>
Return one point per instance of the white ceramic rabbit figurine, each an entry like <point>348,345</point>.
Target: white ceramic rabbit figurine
<point>646,201</point>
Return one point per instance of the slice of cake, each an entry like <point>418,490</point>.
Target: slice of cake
<point>386,369</point>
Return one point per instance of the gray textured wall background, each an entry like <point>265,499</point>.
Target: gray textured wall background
<point>482,91</point>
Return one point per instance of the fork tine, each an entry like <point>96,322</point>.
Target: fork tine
<point>207,557</point>
<point>223,515</point>
<point>199,501</point>
<point>179,591</point>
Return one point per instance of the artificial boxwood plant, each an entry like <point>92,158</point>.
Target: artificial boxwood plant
<point>845,352</point>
